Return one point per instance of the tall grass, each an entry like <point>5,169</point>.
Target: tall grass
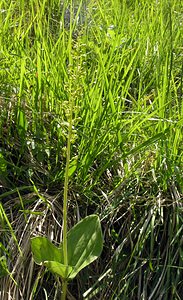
<point>121,63</point>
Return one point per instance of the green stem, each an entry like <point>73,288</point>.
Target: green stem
<point>65,203</point>
<point>65,199</point>
<point>66,182</point>
<point>64,289</point>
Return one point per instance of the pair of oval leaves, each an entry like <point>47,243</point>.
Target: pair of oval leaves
<point>84,243</point>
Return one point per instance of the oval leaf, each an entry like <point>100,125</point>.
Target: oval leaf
<point>85,243</point>
<point>43,250</point>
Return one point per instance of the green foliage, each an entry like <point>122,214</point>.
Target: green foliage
<point>3,164</point>
<point>3,267</point>
<point>121,64</point>
<point>85,244</point>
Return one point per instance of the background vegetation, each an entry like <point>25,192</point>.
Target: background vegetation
<point>121,65</point>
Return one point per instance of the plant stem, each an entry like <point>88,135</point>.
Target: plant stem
<point>66,182</point>
<point>65,203</point>
<point>65,199</point>
<point>64,289</point>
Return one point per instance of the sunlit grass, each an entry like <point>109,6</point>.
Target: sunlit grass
<point>121,62</point>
